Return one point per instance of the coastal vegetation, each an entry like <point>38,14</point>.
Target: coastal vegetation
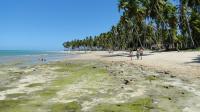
<point>152,24</point>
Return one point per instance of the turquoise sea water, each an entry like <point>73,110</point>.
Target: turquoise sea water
<point>28,56</point>
<point>22,52</point>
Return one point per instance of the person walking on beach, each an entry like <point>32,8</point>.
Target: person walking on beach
<point>131,53</point>
<point>138,53</point>
<point>141,52</point>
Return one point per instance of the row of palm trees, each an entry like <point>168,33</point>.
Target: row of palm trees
<point>152,24</point>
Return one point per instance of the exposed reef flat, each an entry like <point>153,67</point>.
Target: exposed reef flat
<point>95,86</point>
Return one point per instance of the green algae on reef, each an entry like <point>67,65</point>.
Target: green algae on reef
<point>12,105</point>
<point>69,107</point>
<point>91,87</point>
<point>39,99</point>
<point>16,95</point>
<point>151,78</point>
<point>34,85</point>
<point>140,105</point>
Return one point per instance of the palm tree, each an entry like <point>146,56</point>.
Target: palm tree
<point>185,20</point>
<point>148,22</point>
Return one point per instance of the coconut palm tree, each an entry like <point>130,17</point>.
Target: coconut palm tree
<point>147,22</point>
<point>185,25</point>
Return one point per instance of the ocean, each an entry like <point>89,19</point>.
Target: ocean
<point>31,56</point>
<point>21,52</point>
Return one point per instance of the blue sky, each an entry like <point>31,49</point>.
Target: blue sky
<point>46,24</point>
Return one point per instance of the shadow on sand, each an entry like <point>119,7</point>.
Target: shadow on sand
<point>195,60</point>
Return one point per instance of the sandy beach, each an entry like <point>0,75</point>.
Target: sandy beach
<point>179,63</point>
<point>98,81</point>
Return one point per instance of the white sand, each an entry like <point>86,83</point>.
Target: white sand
<point>180,63</point>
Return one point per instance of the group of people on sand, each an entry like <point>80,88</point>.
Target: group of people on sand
<point>139,53</point>
<point>42,59</point>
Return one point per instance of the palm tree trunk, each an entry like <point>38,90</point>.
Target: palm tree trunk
<point>187,23</point>
<point>171,39</point>
<point>137,35</point>
<point>189,30</point>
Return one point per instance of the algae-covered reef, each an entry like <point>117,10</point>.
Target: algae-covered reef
<point>93,86</point>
